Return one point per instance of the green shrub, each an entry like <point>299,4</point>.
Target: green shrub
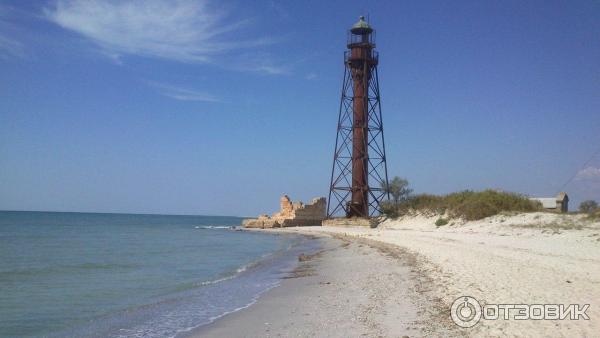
<point>441,221</point>
<point>594,216</point>
<point>470,205</point>
<point>398,188</point>
<point>589,206</point>
<point>475,209</point>
<point>390,209</point>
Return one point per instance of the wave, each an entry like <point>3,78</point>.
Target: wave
<point>195,304</point>
<point>213,227</point>
<point>238,271</point>
<point>262,260</point>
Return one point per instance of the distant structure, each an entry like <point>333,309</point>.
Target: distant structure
<point>560,203</point>
<point>359,170</point>
<point>291,214</point>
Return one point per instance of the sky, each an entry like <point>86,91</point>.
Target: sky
<point>220,107</point>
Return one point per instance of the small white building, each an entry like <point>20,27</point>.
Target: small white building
<point>560,203</point>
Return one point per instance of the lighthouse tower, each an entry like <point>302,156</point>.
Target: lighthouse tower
<point>359,173</point>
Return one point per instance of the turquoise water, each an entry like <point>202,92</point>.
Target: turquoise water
<point>85,274</point>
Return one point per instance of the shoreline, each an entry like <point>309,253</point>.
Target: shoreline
<point>351,287</point>
<point>533,258</point>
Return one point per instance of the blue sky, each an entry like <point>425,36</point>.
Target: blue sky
<point>213,107</point>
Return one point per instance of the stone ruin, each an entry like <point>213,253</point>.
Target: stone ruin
<point>291,214</point>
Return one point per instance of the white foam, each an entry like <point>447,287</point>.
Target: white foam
<point>212,227</point>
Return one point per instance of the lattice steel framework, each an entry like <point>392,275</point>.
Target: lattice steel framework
<point>360,143</point>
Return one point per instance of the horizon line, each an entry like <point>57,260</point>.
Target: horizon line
<point>119,213</point>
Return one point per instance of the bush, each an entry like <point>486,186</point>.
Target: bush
<point>588,206</point>
<point>470,205</point>
<point>398,188</point>
<point>390,209</point>
<point>475,209</point>
<point>594,216</point>
<point>441,221</point>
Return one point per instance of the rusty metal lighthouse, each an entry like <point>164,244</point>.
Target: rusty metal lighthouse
<point>359,173</point>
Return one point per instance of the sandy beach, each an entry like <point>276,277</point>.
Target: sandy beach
<point>353,287</point>
<point>401,278</point>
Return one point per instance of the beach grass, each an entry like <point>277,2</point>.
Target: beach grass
<point>555,227</point>
<point>468,205</point>
<point>594,217</point>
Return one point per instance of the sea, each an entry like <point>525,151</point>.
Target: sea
<point>130,275</point>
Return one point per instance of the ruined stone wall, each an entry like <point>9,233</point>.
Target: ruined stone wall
<point>291,214</point>
<point>286,207</point>
<point>314,210</point>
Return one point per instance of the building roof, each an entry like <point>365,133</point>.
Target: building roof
<point>562,196</point>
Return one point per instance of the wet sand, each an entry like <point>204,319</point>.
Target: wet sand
<point>351,288</point>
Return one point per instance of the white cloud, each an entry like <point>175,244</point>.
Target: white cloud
<point>258,62</point>
<point>180,30</point>
<point>269,69</point>
<point>311,76</point>
<point>588,173</point>
<point>10,47</point>
<point>183,94</point>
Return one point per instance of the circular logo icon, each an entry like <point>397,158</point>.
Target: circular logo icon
<point>465,311</point>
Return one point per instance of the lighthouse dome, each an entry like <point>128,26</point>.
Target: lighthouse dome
<point>361,27</point>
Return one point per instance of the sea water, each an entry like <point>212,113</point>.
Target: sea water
<point>125,275</point>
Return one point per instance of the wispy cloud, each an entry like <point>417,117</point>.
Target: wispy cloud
<point>183,94</point>
<point>588,173</point>
<point>265,68</point>
<point>279,10</point>
<point>311,76</point>
<point>257,62</point>
<point>181,30</point>
<point>9,47</point>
